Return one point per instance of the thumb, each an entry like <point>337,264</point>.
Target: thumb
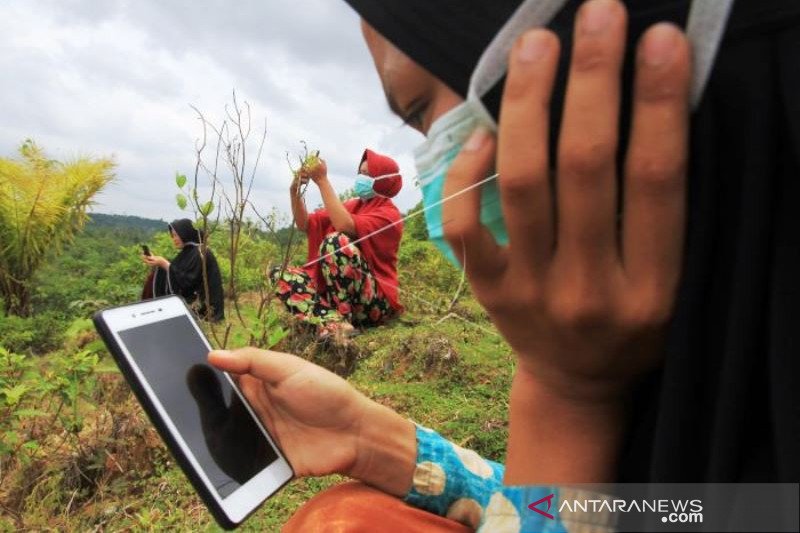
<point>268,366</point>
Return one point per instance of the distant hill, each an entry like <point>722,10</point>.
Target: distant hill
<point>132,229</point>
<point>149,225</point>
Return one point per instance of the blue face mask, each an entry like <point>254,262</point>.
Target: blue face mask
<point>363,187</point>
<point>434,158</point>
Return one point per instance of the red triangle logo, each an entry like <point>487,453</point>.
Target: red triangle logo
<point>549,500</point>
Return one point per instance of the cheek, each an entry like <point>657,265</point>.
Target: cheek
<point>443,101</point>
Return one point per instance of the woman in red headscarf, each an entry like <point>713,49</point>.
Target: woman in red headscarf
<point>350,277</point>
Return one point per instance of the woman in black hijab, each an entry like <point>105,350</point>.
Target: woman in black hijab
<point>183,276</point>
<point>722,406</point>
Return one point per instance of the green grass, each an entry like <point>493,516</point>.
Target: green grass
<point>451,374</point>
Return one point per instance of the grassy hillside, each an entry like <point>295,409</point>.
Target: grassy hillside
<point>77,453</point>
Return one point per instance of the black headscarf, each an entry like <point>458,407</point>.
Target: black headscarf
<point>184,228</point>
<point>724,406</point>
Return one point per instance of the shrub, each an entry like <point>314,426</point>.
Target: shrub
<point>36,335</point>
<point>414,227</point>
<point>38,398</point>
<point>428,282</point>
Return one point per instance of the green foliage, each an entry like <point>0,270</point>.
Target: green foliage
<point>428,281</point>
<point>347,194</point>
<point>414,227</point>
<point>180,180</point>
<point>83,455</point>
<point>256,253</point>
<point>124,225</point>
<point>207,208</point>
<point>38,334</point>
<point>42,206</point>
<point>104,269</point>
<point>41,395</point>
<point>307,160</point>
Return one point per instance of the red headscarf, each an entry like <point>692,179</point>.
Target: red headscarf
<point>381,165</point>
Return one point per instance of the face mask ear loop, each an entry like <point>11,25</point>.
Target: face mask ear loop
<point>493,63</point>
<point>384,176</point>
<point>705,28</point>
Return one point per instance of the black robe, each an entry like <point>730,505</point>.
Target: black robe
<point>185,278</point>
<point>724,405</point>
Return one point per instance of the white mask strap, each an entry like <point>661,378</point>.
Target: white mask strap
<point>383,176</point>
<point>493,63</point>
<point>706,25</point>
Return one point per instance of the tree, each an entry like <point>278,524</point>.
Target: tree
<point>43,205</point>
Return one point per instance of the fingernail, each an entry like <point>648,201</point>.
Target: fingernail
<point>220,353</point>
<point>596,16</point>
<point>476,140</point>
<point>534,45</point>
<point>659,44</point>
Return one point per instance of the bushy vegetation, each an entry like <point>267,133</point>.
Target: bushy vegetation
<point>76,451</point>
<point>35,335</point>
<point>43,204</point>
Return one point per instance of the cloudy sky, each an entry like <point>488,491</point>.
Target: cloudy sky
<point>117,77</point>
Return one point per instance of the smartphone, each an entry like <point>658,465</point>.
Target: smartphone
<point>207,424</point>
<point>146,250</point>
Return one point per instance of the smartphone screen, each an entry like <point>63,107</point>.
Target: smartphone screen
<point>201,402</point>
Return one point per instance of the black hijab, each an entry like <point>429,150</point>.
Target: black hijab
<point>723,407</point>
<point>184,228</point>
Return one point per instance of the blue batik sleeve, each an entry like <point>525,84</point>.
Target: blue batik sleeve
<point>459,484</point>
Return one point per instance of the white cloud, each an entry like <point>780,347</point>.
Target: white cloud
<point>118,77</point>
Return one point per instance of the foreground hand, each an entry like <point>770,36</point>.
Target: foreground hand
<point>584,288</point>
<point>322,424</point>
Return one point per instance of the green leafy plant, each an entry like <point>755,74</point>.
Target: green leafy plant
<point>39,398</point>
<point>307,161</point>
<point>43,205</point>
<point>34,335</point>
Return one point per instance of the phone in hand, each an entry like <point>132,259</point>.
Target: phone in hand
<point>207,424</point>
<point>146,250</point>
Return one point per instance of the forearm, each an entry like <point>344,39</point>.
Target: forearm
<point>299,212</point>
<point>557,440</point>
<point>387,451</point>
<point>340,217</point>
